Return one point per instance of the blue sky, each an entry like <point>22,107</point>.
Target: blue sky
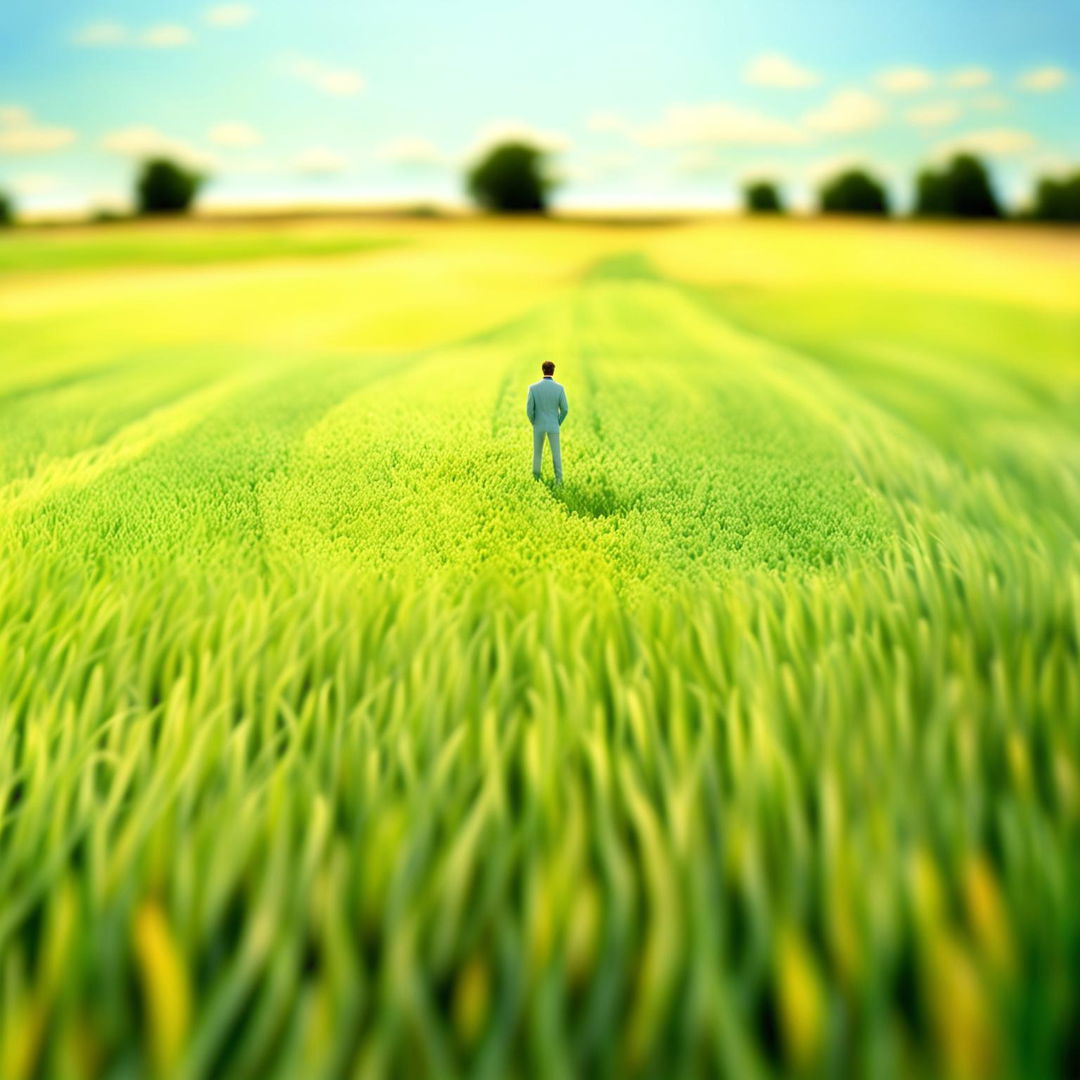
<point>643,102</point>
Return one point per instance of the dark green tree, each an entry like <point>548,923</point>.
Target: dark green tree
<point>762,197</point>
<point>854,192</point>
<point>1058,199</point>
<point>961,189</point>
<point>7,210</point>
<point>166,187</point>
<point>931,194</point>
<point>511,178</point>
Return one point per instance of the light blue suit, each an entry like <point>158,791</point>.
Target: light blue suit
<point>547,409</point>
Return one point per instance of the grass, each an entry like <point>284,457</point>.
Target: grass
<point>331,744</point>
<point>169,244</point>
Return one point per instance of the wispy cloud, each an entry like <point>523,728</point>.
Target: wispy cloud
<point>102,33</point>
<point>816,172</point>
<point>329,78</point>
<point>13,116</point>
<point>994,141</point>
<point>235,136</point>
<point>708,124</point>
<point>933,114</point>
<point>777,70</point>
<point>35,183</point>
<point>21,134</point>
<point>1043,79</point>
<point>320,161</point>
<point>596,168</point>
<point>412,151</point>
<point>111,34</point>
<point>846,112</point>
<point>515,131</point>
<point>905,80</point>
<point>167,36</point>
<point>143,141</point>
<point>970,78</point>
<point>229,14</point>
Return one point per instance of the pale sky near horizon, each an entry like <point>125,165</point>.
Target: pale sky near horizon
<point>646,102</point>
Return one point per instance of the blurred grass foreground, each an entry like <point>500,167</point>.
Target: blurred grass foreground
<point>332,745</point>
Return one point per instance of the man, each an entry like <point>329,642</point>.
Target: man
<point>547,409</point>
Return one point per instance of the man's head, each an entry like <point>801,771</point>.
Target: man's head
<point>547,367</point>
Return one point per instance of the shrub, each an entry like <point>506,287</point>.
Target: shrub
<point>854,192</point>
<point>763,197</point>
<point>511,178</point>
<point>961,189</point>
<point>166,187</point>
<point>1058,199</point>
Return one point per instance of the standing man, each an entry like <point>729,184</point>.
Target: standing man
<point>547,409</point>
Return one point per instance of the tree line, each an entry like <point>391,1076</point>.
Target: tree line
<point>517,178</point>
<point>962,188</point>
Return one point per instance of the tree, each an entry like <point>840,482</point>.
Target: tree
<point>1058,199</point>
<point>961,189</point>
<point>166,187</point>
<point>762,197</point>
<point>7,210</point>
<point>854,192</point>
<point>511,178</point>
<point>931,194</point>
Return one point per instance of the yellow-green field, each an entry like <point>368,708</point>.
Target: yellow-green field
<point>333,745</point>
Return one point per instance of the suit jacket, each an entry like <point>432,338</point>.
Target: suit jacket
<point>547,407</point>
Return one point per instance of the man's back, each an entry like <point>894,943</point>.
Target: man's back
<point>547,405</point>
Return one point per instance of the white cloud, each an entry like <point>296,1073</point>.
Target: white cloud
<point>847,111</point>
<point>717,123</point>
<point>1053,164</point>
<point>35,183</point>
<point>237,136</point>
<point>320,161</point>
<point>142,140</point>
<point>970,78</point>
<point>699,161</point>
<point>14,116</point>
<point>412,150</point>
<point>596,168</point>
<point>252,166</point>
<point>339,81</point>
<point>762,169</point>
<point>1043,79</point>
<point>501,131</point>
<point>776,70</point>
<point>934,114</point>
<point>19,134</point>
<point>826,168</point>
<point>990,101</point>
<point>229,14</point>
<point>905,80</point>
<point>161,36</point>
<point>994,141</point>
<point>102,33</point>
<point>167,36</point>
<point>607,120</point>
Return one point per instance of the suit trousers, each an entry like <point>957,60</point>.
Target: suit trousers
<point>538,451</point>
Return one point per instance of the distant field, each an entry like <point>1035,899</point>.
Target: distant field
<point>332,745</point>
<point>169,244</point>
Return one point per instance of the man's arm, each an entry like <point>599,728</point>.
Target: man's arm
<point>530,406</point>
<point>564,407</point>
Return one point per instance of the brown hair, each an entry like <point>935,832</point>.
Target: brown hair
<point>547,367</point>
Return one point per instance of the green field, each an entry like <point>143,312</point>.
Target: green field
<point>333,745</point>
